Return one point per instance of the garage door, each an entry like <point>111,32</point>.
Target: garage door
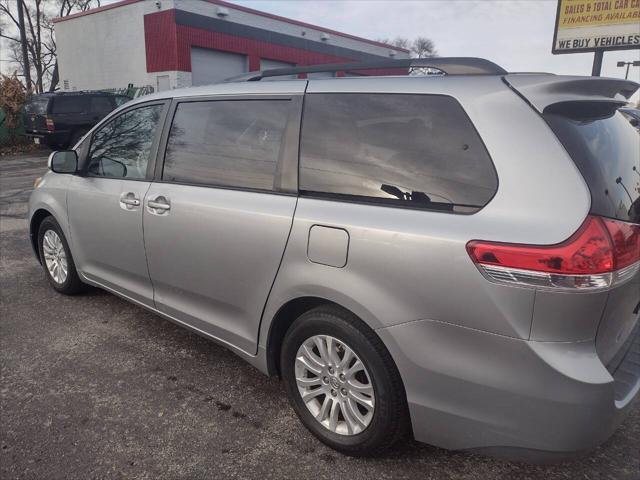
<point>211,66</point>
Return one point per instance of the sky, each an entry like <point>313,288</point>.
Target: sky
<point>516,34</point>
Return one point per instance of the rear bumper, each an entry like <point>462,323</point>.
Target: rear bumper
<point>469,389</point>
<point>625,369</point>
<point>49,138</point>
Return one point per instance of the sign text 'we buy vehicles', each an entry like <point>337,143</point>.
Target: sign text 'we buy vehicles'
<point>591,25</point>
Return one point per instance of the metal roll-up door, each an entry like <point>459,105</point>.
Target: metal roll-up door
<point>212,66</point>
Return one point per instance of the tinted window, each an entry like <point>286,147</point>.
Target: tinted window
<point>71,104</point>
<point>122,146</point>
<point>234,143</point>
<point>101,105</point>
<point>607,153</point>
<point>37,105</point>
<point>121,100</point>
<point>410,150</point>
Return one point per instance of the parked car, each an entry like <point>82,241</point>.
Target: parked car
<point>455,256</point>
<point>60,119</point>
<point>632,115</point>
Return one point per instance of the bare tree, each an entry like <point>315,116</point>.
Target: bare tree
<point>423,47</point>
<point>399,42</point>
<point>420,47</point>
<point>40,36</point>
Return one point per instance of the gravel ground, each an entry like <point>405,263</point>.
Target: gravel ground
<point>94,387</point>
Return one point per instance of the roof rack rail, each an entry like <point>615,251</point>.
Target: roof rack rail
<point>447,65</point>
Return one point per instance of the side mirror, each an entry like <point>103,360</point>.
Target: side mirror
<point>634,122</point>
<point>65,161</point>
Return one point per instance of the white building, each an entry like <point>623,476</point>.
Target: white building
<point>177,43</point>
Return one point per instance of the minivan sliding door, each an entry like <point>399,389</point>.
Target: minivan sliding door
<point>218,217</point>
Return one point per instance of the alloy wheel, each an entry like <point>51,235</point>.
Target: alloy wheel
<point>55,257</point>
<point>334,385</point>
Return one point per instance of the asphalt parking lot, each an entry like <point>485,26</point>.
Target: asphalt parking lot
<point>94,387</point>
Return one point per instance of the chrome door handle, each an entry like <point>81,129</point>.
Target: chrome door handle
<point>128,201</point>
<point>159,204</point>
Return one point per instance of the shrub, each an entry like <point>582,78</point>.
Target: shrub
<point>12,99</point>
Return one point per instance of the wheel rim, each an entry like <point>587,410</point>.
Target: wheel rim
<point>334,385</point>
<point>54,256</point>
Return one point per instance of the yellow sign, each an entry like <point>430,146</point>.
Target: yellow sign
<point>590,25</point>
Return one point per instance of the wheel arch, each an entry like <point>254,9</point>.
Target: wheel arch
<point>34,226</point>
<point>284,318</point>
<point>281,322</point>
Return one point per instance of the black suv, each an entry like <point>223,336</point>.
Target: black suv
<point>60,119</point>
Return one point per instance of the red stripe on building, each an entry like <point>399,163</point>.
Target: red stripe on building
<point>168,46</point>
<point>160,39</point>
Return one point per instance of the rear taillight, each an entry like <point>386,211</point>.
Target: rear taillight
<point>50,126</point>
<point>626,242</point>
<point>600,253</point>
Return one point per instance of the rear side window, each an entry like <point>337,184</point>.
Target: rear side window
<point>607,153</point>
<point>229,143</point>
<point>71,104</point>
<point>404,150</point>
<point>37,106</point>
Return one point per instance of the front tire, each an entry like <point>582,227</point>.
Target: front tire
<point>56,258</point>
<point>342,382</point>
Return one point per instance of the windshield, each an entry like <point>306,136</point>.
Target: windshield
<point>607,153</point>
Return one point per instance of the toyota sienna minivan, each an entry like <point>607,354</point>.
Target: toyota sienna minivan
<point>454,257</point>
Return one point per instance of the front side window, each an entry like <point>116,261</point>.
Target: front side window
<point>227,143</point>
<point>405,150</point>
<point>121,147</point>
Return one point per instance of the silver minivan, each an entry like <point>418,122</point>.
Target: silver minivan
<point>454,257</point>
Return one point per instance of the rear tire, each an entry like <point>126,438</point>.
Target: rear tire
<point>56,258</point>
<point>381,417</point>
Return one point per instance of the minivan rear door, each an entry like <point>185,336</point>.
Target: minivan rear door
<point>606,150</point>
<point>218,215</point>
<point>583,114</point>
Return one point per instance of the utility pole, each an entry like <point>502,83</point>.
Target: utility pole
<point>628,64</point>
<point>23,43</point>
<point>597,63</point>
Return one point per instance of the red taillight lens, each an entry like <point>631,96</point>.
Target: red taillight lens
<point>626,242</point>
<point>588,251</point>
<point>50,126</point>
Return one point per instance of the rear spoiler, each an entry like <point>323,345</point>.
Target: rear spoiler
<point>543,91</point>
